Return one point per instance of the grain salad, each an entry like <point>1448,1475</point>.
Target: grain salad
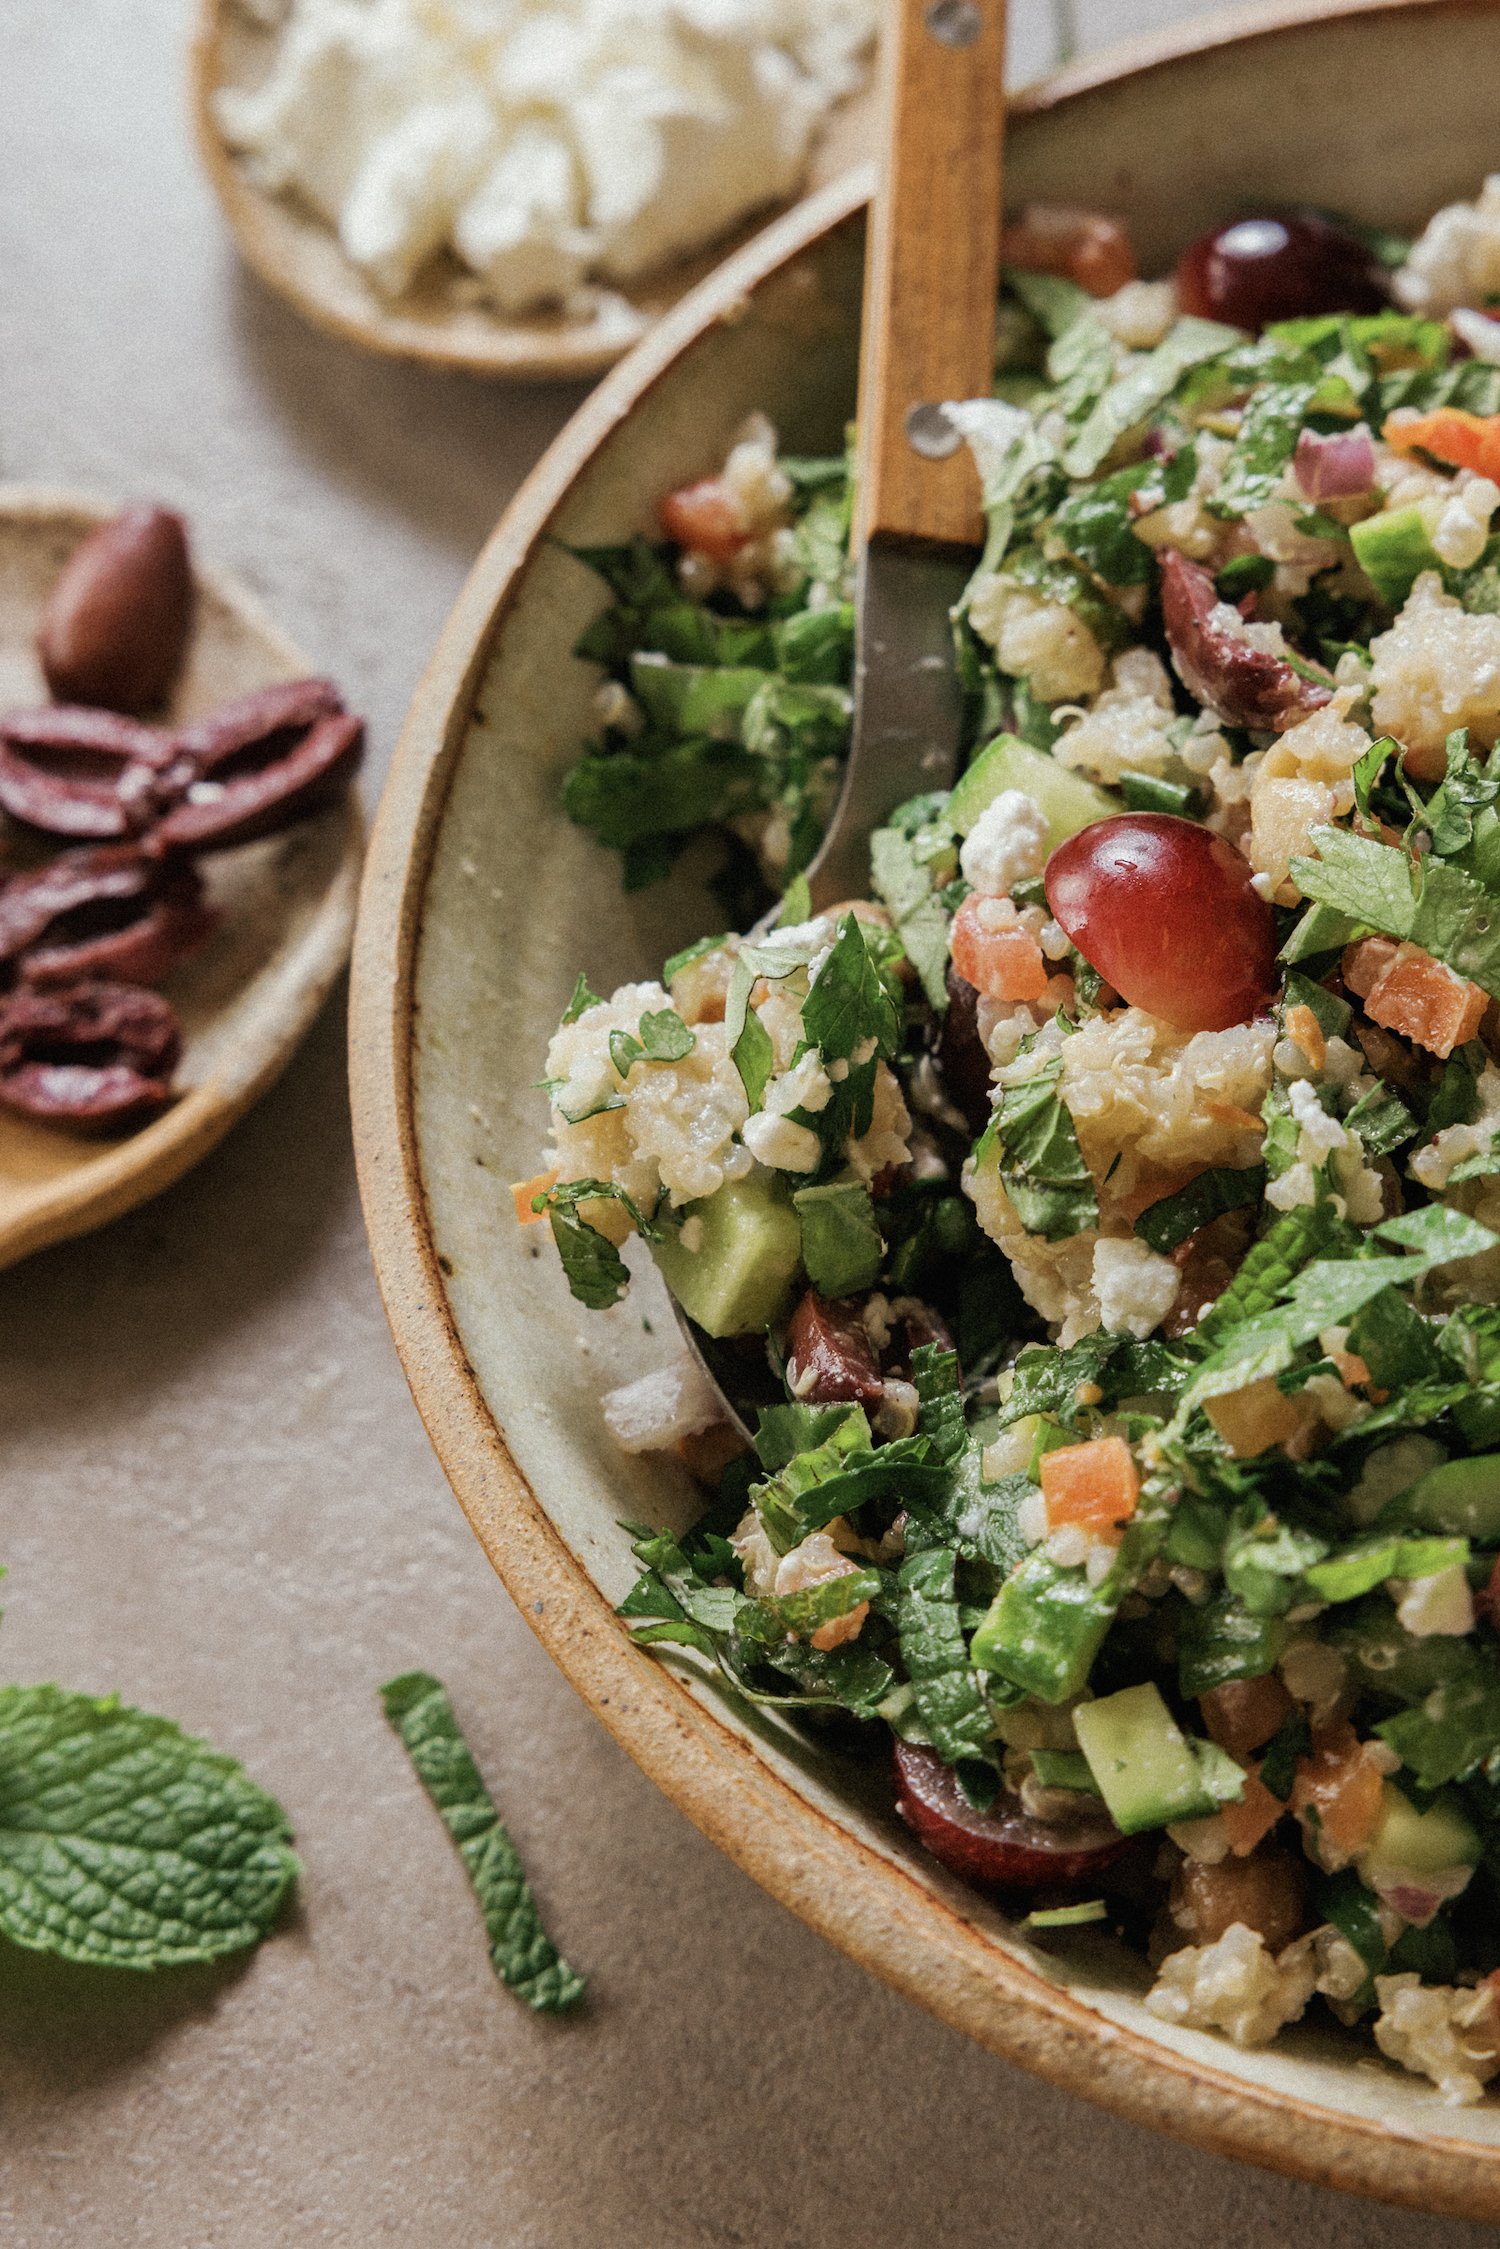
<point>1096,1227</point>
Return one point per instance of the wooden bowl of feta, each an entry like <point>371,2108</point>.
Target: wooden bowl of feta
<point>481,904</point>
<point>524,207</point>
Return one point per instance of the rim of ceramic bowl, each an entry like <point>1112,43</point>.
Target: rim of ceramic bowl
<point>872,1906</point>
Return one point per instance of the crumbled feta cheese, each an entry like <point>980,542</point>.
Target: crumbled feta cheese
<point>1007,843</point>
<point>542,140</point>
<point>1440,1606</point>
<point>1136,1288</point>
<point>781,1145</point>
<point>1438,2031</point>
<point>1236,1986</point>
<point>1321,1140</point>
<point>1462,531</point>
<point>658,1408</point>
<point>1456,258</point>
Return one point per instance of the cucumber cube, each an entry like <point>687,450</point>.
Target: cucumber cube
<point>1143,1764</point>
<point>1067,801</point>
<point>1393,550</point>
<point>739,1278</point>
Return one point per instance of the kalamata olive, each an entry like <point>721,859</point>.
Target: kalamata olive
<point>830,1358</point>
<point>116,623</point>
<point>962,1061</point>
<point>1219,662</point>
<point>1165,911</point>
<point>1279,266</point>
<point>1004,1846</point>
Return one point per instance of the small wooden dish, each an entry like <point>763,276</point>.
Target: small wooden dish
<point>246,1000</point>
<point>438,321</point>
<point>481,904</point>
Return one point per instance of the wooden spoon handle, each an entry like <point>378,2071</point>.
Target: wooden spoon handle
<point>932,266</point>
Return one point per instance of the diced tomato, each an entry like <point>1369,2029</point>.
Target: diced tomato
<point>1244,1713</point>
<point>1094,1485</point>
<point>1449,433</point>
<point>1425,1001</point>
<point>1341,1783</point>
<point>1083,246</point>
<point>706,518</point>
<point>524,1192</point>
<point>1250,1820</point>
<point>994,953</point>
<point>1365,963</point>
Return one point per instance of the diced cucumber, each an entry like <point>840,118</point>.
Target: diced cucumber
<point>841,1244</point>
<point>1411,1842</point>
<point>1322,929</point>
<point>739,1278</point>
<point>1393,550</point>
<point>1064,1768</point>
<point>1146,1769</point>
<point>1067,801</point>
<point>1462,1498</point>
<point>1043,1629</point>
<point>694,698</point>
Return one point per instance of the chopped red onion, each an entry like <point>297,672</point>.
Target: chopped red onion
<point>1337,467</point>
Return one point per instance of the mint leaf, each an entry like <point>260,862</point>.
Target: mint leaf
<point>848,1007</point>
<point>665,1037</point>
<point>1035,1146</point>
<point>522,1954</point>
<point>1097,524</point>
<point>841,1244</point>
<point>596,1272</point>
<point>125,1843</point>
<point>1265,443</point>
<point>950,1702</point>
<point>1433,904</point>
<point>1164,1225</point>
<point>1148,381</point>
<point>797,1616</point>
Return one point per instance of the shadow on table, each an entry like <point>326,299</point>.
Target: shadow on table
<point>130,1307</point>
<point>67,2026</point>
<point>446,448</point>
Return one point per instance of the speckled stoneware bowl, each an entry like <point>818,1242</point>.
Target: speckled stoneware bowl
<point>481,904</point>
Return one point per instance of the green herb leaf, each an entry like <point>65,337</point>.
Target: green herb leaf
<point>797,1616</point>
<point>125,1843</point>
<point>522,1954</point>
<point>1265,442</point>
<point>1357,1569</point>
<point>1166,1224</point>
<point>582,999</point>
<point>1032,1141</point>
<point>1148,381</point>
<point>665,1037</point>
<point>950,1701</point>
<point>841,1244</point>
<point>848,1005</point>
<point>1433,904</point>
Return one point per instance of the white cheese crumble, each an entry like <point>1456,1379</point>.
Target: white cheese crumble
<point>1007,843</point>
<point>542,142</point>
<point>1456,259</point>
<point>1437,1606</point>
<point>1136,1288</point>
<point>657,1409</point>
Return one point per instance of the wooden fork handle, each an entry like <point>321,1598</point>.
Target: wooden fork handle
<point>932,265</point>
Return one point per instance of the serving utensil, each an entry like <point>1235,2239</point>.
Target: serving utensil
<point>932,271</point>
<point>246,1000</point>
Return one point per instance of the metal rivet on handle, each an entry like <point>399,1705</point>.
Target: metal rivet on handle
<point>954,23</point>
<point>930,432</point>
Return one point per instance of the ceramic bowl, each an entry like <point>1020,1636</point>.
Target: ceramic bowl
<point>248,997</point>
<point>481,904</point>
<point>437,321</point>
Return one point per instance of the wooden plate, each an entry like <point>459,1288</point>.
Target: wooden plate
<point>481,904</point>
<point>247,998</point>
<point>297,254</point>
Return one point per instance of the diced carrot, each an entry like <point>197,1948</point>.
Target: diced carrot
<point>706,518</point>
<point>1353,1373</point>
<point>1306,1031</point>
<point>524,1192</point>
<point>1230,1113</point>
<point>1252,1420</point>
<point>1449,433</point>
<point>1341,1783</point>
<point>1244,1713</point>
<point>1145,1192</point>
<point>1083,246</point>
<point>1426,1001</point>
<point>994,953</point>
<point>1253,1817</point>
<point>1094,1485</point>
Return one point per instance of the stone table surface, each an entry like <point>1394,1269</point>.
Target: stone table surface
<point>217,1498</point>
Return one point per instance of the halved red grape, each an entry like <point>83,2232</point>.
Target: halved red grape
<point>1165,911</point>
<point>1004,1846</point>
<point>1279,266</point>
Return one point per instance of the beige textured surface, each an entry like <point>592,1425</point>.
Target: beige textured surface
<point>216,1497</point>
